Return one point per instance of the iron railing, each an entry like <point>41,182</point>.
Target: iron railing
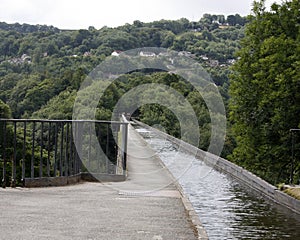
<point>293,131</point>
<point>32,149</point>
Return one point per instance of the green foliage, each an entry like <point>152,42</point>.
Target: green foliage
<point>59,107</point>
<point>39,63</point>
<point>265,89</point>
<point>42,68</point>
<point>5,111</point>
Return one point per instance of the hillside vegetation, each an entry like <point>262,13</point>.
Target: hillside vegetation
<point>42,67</point>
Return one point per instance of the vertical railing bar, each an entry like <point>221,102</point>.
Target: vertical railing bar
<point>14,163</point>
<point>99,140</point>
<point>41,150</point>
<point>66,164</point>
<point>71,160</point>
<point>291,180</point>
<point>75,128</point>
<point>79,146</point>
<point>107,148</point>
<point>74,147</point>
<point>24,153</point>
<point>90,145</point>
<point>122,146</point>
<point>116,128</point>
<point>55,150</point>
<point>61,150</point>
<point>114,158</point>
<point>48,148</point>
<point>32,152</point>
<point>4,155</point>
<point>125,149</point>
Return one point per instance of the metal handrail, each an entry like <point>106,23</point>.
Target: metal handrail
<point>55,147</point>
<point>291,180</point>
<point>52,120</point>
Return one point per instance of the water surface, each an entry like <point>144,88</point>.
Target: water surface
<point>227,209</point>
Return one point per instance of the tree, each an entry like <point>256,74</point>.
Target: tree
<point>138,23</point>
<point>231,20</point>
<point>5,111</point>
<point>221,19</point>
<point>265,87</point>
<point>239,20</point>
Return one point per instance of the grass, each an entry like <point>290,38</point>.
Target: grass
<point>294,192</point>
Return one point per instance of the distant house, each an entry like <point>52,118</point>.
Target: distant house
<point>116,53</point>
<point>231,61</point>
<point>23,59</point>
<point>164,54</point>
<point>86,54</point>
<point>204,57</point>
<point>214,63</point>
<point>185,53</point>
<point>223,26</point>
<point>147,54</point>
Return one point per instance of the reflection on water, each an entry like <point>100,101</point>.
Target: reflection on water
<point>227,209</point>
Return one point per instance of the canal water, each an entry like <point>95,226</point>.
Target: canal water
<point>227,209</point>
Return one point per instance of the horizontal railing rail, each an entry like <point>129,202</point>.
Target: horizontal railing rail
<point>38,148</point>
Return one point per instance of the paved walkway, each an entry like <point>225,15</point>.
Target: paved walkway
<point>146,206</point>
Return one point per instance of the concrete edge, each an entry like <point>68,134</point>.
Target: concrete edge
<point>242,175</point>
<point>71,180</point>
<point>195,222</point>
<point>194,217</point>
<point>51,181</point>
<point>199,230</point>
<point>96,177</point>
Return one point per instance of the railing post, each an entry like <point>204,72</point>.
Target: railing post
<point>107,149</point>
<point>125,148</point>
<point>55,149</point>
<point>48,148</point>
<point>75,137</point>
<point>71,157</point>
<point>79,146</point>
<point>32,152</point>
<point>66,165</point>
<point>4,155</point>
<point>124,143</point>
<point>99,141</point>
<point>90,144</point>
<point>24,153</point>
<point>293,131</point>
<point>41,150</point>
<point>14,163</point>
<point>61,150</point>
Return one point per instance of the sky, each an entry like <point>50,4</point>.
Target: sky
<point>73,14</point>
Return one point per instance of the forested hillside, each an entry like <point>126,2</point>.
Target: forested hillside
<point>42,67</point>
<point>40,63</point>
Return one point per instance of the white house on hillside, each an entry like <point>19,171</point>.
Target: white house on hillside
<point>147,54</point>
